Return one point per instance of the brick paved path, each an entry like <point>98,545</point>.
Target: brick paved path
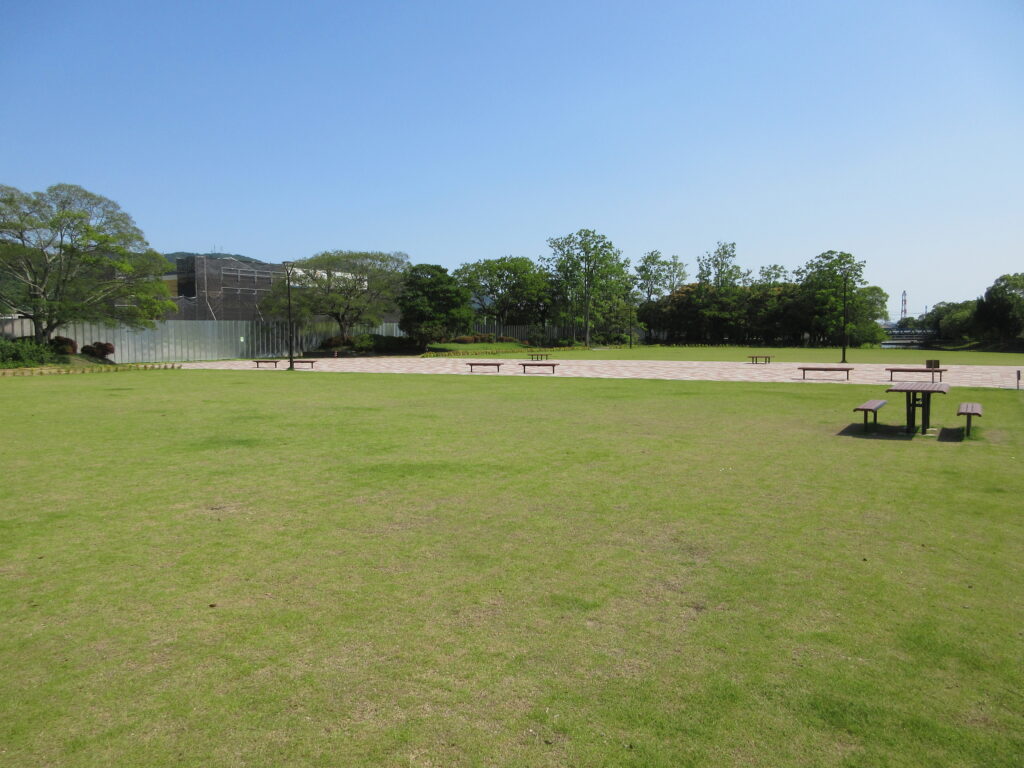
<point>957,375</point>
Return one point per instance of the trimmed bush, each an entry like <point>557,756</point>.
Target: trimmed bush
<point>393,344</point>
<point>62,345</point>
<point>333,342</point>
<point>100,349</point>
<point>362,343</point>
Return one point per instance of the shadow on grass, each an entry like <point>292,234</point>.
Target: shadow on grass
<point>952,434</point>
<point>881,432</point>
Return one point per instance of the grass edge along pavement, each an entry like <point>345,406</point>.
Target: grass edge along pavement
<point>391,570</point>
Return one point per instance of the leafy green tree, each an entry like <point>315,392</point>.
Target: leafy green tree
<point>1000,312</point>
<point>351,287</point>
<point>433,305</point>
<point>952,321</point>
<point>720,295</point>
<point>510,290</point>
<point>825,282</point>
<point>587,272</point>
<point>69,255</point>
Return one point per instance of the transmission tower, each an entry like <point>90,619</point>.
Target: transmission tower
<point>903,310</point>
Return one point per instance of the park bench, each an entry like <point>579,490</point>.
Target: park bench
<point>268,362</point>
<point>539,355</point>
<point>930,370</point>
<point>755,358</point>
<point>310,362</point>
<point>539,365</point>
<point>495,366</point>
<point>871,406</point>
<point>806,368</point>
<point>969,410</point>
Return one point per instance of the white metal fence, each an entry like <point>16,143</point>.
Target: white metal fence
<point>182,340</point>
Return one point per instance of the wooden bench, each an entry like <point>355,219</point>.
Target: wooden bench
<point>539,355</point>
<point>932,371</point>
<point>754,359</point>
<point>310,362</point>
<point>268,362</point>
<point>495,366</point>
<point>969,410</point>
<point>539,365</point>
<point>806,368</point>
<point>871,406</point>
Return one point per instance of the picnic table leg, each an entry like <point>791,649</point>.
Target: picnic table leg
<point>911,415</point>
<point>926,411</point>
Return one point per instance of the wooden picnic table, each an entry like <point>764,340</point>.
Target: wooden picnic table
<point>919,395</point>
<point>754,359</point>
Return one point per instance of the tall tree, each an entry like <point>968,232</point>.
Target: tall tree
<point>652,275</point>
<point>350,287</point>
<point>69,255</point>
<point>826,282</point>
<point>719,294</point>
<point>1000,312</point>
<point>433,305</point>
<point>509,290</point>
<point>587,268</point>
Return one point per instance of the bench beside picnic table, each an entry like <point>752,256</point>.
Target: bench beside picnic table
<point>932,371</point>
<point>871,406</point>
<point>969,410</point>
<point>839,368</point>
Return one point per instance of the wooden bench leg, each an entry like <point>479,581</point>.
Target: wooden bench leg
<point>969,425</point>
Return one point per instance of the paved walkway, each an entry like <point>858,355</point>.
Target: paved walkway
<point>1001,376</point>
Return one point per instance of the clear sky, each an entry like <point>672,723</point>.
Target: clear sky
<point>458,131</point>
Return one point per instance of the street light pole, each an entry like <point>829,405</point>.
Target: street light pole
<point>291,335</point>
<point>846,320</point>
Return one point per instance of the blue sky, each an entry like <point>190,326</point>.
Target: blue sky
<point>463,131</point>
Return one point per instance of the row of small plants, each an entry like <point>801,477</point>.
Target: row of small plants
<point>26,352</point>
<point>50,371</point>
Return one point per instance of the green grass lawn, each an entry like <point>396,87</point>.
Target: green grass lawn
<point>227,569</point>
<point>739,354</point>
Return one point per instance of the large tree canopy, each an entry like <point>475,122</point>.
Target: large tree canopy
<point>433,304</point>
<point>589,275</point>
<point>351,287</point>
<point>69,255</point>
<point>511,289</point>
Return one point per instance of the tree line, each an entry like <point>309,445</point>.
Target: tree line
<point>69,255</point>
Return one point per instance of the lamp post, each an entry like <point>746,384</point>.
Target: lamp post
<point>846,320</point>
<point>288,265</point>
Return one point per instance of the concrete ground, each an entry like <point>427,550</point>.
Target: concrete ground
<point>999,376</point>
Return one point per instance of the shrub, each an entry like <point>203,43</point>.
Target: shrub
<point>393,344</point>
<point>510,339</point>
<point>24,353</point>
<point>100,349</point>
<point>362,343</point>
<point>333,342</point>
<point>62,345</point>
<point>465,339</point>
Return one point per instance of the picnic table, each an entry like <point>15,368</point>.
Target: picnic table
<point>919,395</point>
<point>755,358</point>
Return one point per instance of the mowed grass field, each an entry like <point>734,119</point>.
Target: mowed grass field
<point>229,569</point>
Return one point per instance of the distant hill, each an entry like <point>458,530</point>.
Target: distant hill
<point>173,257</point>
